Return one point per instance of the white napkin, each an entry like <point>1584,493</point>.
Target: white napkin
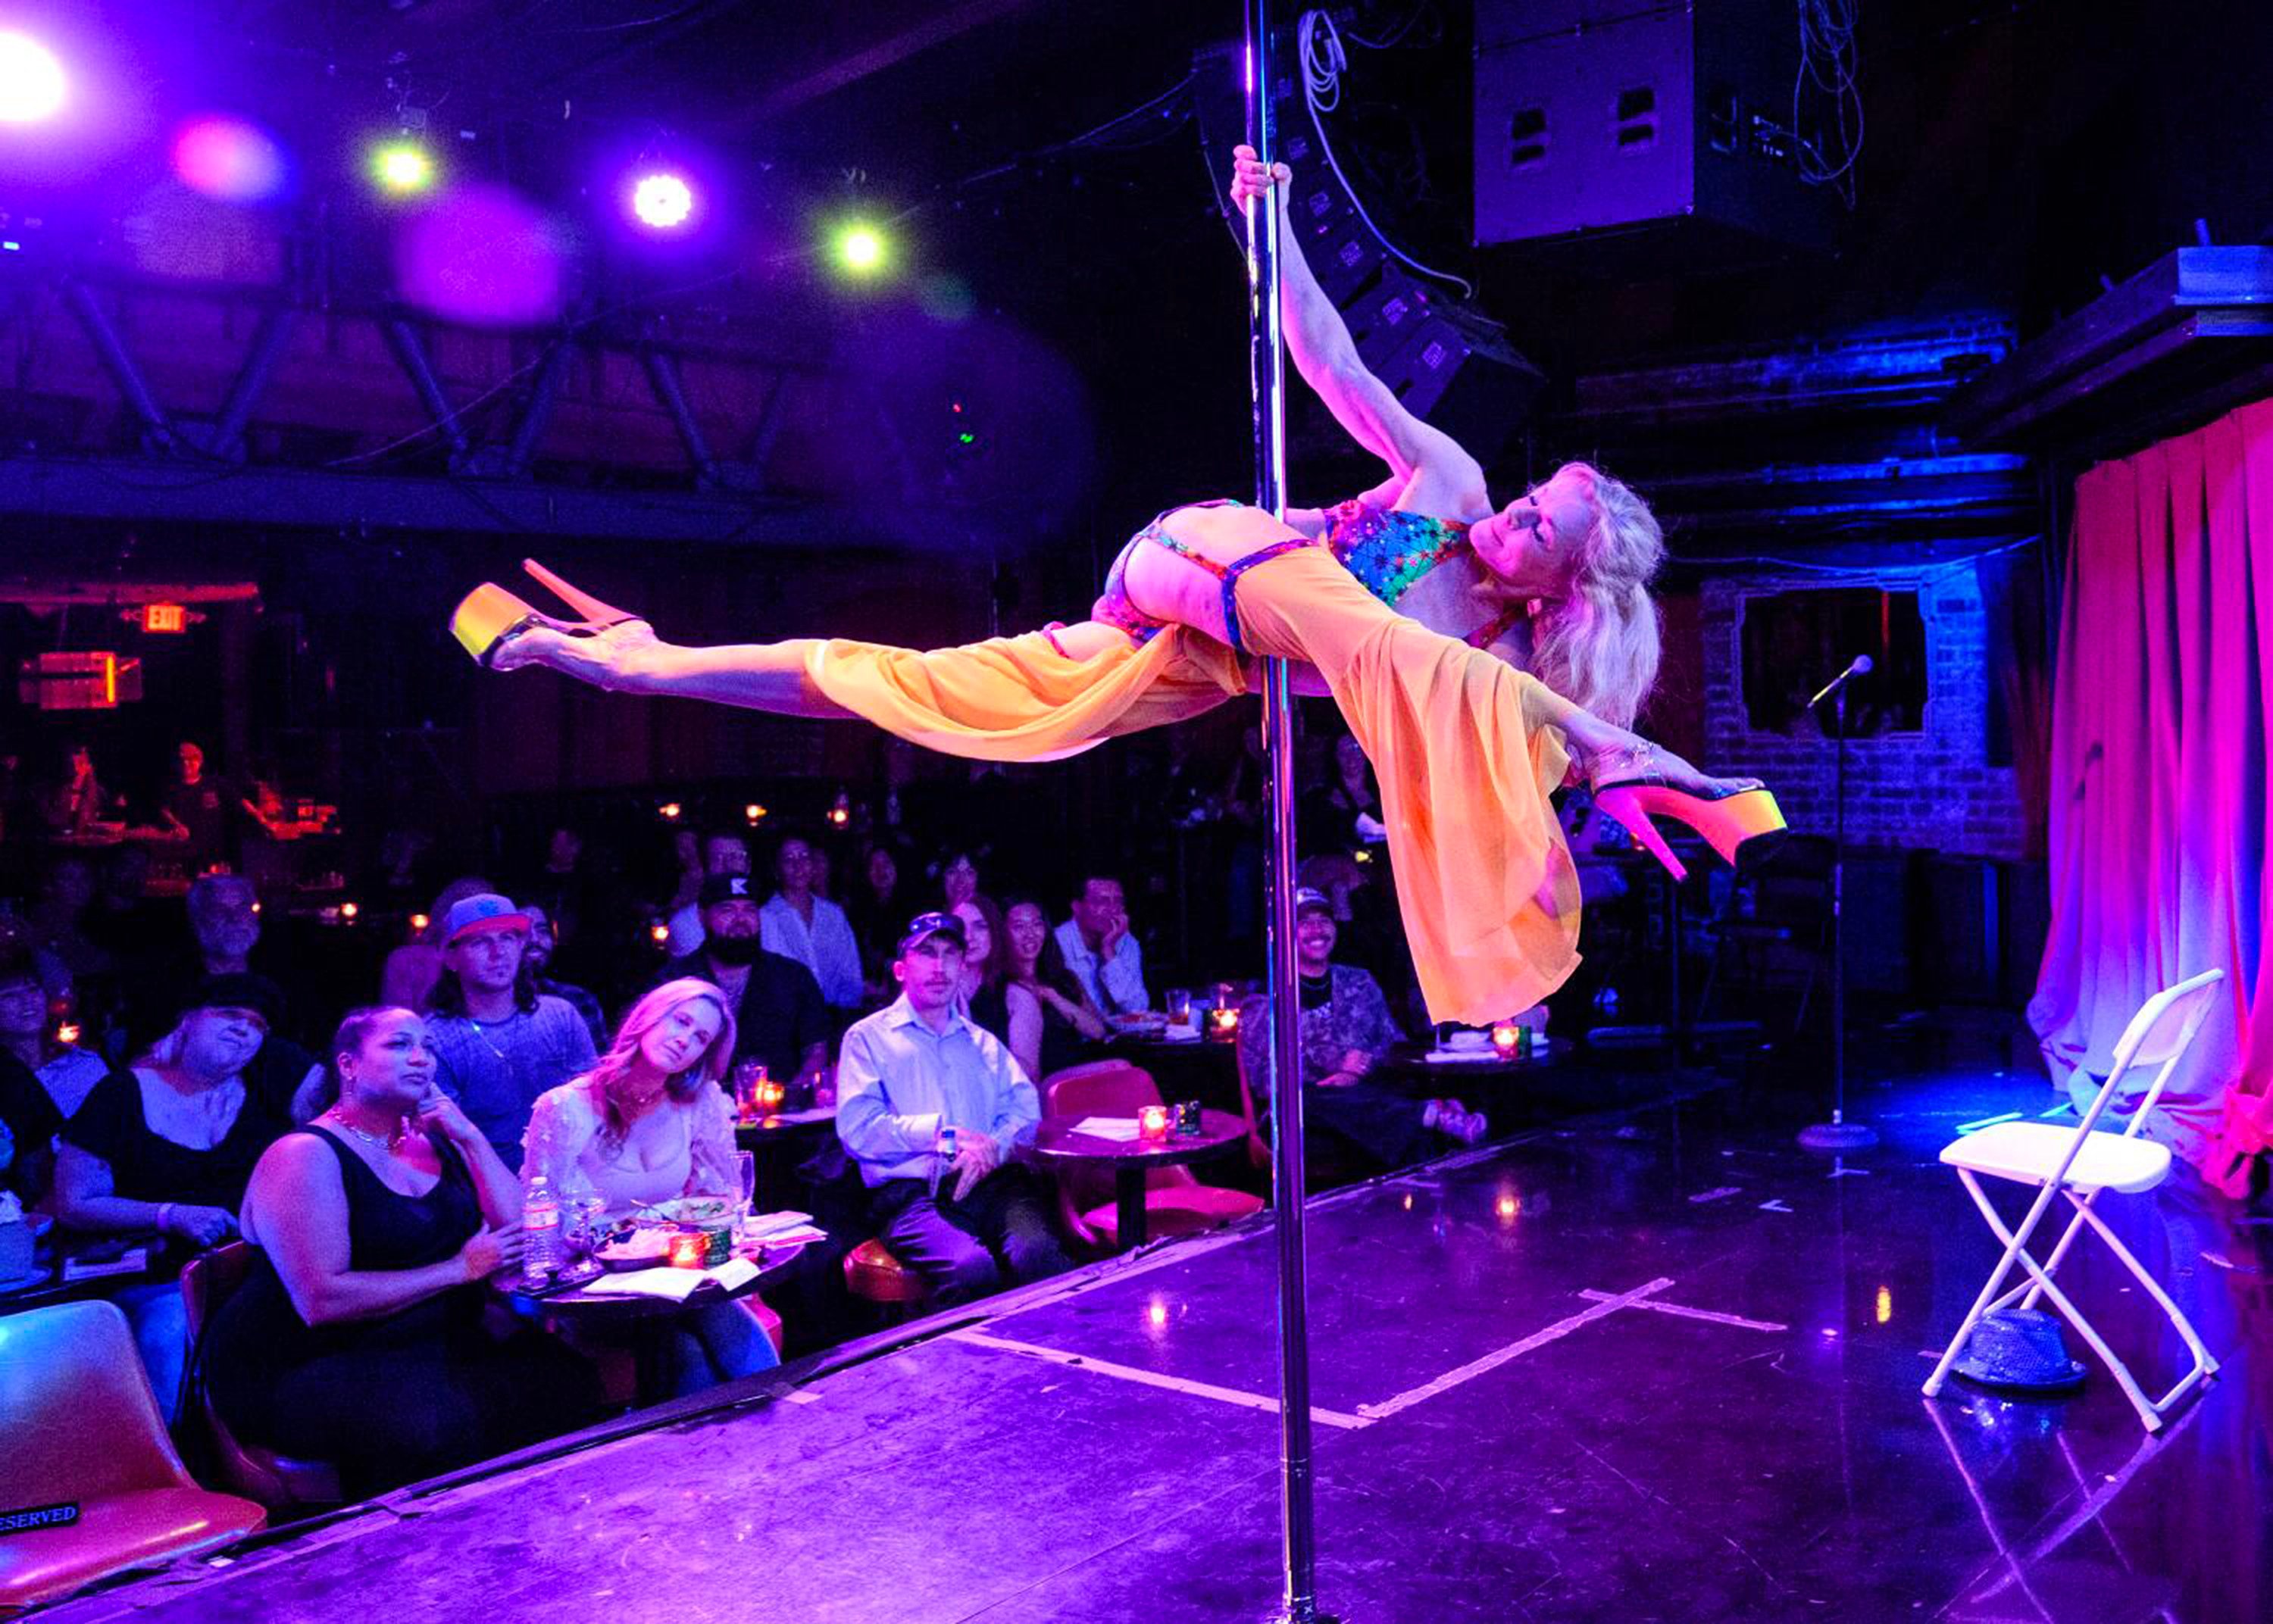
<point>673,1285</point>
<point>734,1273</point>
<point>817,1113</point>
<point>761,1225</point>
<point>1119,1129</point>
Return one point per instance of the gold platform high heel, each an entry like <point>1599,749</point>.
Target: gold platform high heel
<point>1744,826</point>
<point>489,615</point>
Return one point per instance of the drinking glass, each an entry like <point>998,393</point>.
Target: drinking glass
<point>1179,1005</point>
<point>586,1222</point>
<point>747,1076</point>
<point>746,1176</point>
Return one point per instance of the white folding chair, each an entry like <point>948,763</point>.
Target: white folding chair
<point>2081,1162</point>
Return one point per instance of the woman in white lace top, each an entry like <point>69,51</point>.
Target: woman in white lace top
<point>651,1122</point>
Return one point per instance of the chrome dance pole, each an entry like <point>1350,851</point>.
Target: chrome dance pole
<point>1267,376</point>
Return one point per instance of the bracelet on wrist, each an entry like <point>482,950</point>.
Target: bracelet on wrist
<point>165,1217</point>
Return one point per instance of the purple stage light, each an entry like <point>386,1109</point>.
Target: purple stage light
<point>228,159</point>
<point>31,85</point>
<point>482,256</point>
<point>662,200</point>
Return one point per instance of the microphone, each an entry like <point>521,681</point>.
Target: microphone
<point>1860,668</point>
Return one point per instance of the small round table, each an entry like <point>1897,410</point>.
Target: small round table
<point>577,1306</point>
<point>1132,1159</point>
<point>637,1322</point>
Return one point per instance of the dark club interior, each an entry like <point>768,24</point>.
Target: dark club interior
<point>955,810</point>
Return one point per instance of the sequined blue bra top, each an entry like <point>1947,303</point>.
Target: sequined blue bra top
<point>1388,551</point>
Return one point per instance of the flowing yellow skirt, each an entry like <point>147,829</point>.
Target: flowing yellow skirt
<point>1465,760</point>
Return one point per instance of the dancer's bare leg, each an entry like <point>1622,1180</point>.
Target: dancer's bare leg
<point>629,658</point>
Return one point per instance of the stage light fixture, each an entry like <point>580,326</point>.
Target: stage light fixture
<point>861,249</point>
<point>31,85</point>
<point>662,200</point>
<point>402,167</point>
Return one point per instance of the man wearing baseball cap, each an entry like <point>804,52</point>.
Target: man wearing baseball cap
<point>498,1042</point>
<point>779,1020</point>
<point>931,1107</point>
<point>1346,1027</point>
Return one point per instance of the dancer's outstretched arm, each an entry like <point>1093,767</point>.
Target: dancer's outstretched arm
<point>1325,353</point>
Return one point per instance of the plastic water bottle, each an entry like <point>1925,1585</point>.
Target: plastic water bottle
<point>540,1221</point>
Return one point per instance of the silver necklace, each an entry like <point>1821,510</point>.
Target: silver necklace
<point>376,1142</point>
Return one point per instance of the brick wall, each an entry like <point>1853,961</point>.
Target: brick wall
<point>1930,791</point>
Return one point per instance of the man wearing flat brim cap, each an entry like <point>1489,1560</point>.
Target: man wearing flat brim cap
<point>931,1106</point>
<point>500,1044</point>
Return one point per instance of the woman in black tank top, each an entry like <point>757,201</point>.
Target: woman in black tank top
<point>360,1336</point>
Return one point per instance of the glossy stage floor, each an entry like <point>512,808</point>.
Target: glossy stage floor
<point>1650,1364</point>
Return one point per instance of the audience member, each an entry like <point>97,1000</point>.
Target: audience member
<point>722,853</point>
<point>224,940</point>
<point>686,853</point>
<point>167,1145</point>
<point>408,979</point>
<point>1344,815</point>
<point>959,879</point>
<point>360,1337</point>
<point>200,810</point>
<point>779,1019</point>
<point>502,1044</point>
<point>67,1071</point>
<point>812,930</point>
<point>544,938</point>
<point>58,917</point>
<point>908,1074</point>
<point>650,1123</point>
<point>985,992</point>
<point>77,805</point>
<point>1035,962</point>
<point>875,909</point>
<point>1101,951</point>
<point>1345,1029</point>
<point>29,1119</point>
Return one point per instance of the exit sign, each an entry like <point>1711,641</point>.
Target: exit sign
<point>165,617</point>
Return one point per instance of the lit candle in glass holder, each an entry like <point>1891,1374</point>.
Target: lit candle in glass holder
<point>1506,1037</point>
<point>769,1095</point>
<point>1152,1121</point>
<point>1223,1024</point>
<point>689,1250</point>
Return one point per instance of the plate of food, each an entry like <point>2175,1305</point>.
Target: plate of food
<point>646,1246</point>
<point>1140,1023</point>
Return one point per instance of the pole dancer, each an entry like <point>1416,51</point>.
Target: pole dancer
<point>1424,610</point>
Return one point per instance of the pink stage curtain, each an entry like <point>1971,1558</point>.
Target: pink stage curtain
<point>2159,778</point>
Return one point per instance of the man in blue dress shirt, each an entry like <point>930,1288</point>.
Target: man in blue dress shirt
<point>1101,951</point>
<point>966,1220</point>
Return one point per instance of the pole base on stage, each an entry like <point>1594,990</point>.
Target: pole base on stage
<point>1838,1135</point>
<point>2019,1351</point>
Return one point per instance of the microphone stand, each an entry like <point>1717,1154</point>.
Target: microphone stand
<point>1838,1134</point>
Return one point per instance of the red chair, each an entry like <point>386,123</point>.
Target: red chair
<point>1175,1202</point>
<point>277,1481</point>
<point>873,1275</point>
<point>78,1426</point>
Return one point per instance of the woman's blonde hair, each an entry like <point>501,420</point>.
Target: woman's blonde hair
<point>646,1016</point>
<point>1597,646</point>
